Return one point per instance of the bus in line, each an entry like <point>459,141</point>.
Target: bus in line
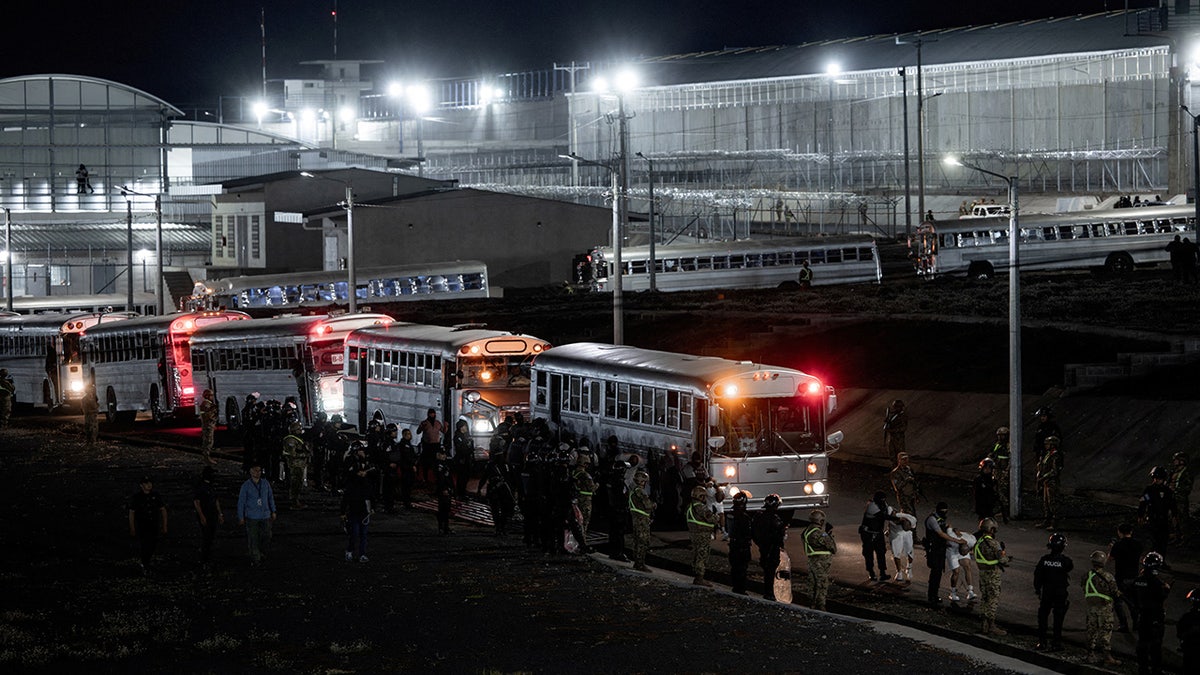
<point>146,363</point>
<point>463,372</point>
<point>143,303</point>
<point>761,429</point>
<point>433,281</point>
<point>749,263</point>
<point>1114,241</point>
<point>298,356</point>
<point>41,353</point>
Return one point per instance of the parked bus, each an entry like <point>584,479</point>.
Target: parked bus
<point>299,356</point>
<point>41,353</point>
<point>146,363</point>
<point>761,429</point>
<point>143,303</point>
<point>1112,240</point>
<point>464,372</point>
<point>751,263</point>
<point>433,281</point>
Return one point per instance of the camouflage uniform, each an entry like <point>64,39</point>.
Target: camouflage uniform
<point>208,422</point>
<point>296,454</point>
<point>1049,474</point>
<point>1000,457</point>
<point>904,482</point>
<point>1099,589</point>
<point>8,391</point>
<point>989,557</point>
<point>701,522</point>
<point>91,417</point>
<point>1181,484</point>
<point>642,507</point>
<point>819,546</point>
<point>585,487</point>
<point>895,425</point>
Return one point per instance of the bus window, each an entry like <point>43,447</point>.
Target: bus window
<point>816,257</point>
<point>833,255</point>
<point>720,262</point>
<point>1049,233</point>
<point>753,260</point>
<point>785,258</point>
<point>948,241</point>
<point>1065,232</point>
<point>687,264</point>
<point>769,260</point>
<point>737,262</point>
<point>671,265</point>
<point>638,267</point>
<point>1131,227</point>
<point>704,263</point>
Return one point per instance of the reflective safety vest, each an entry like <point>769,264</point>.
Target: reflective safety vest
<point>808,549</point>
<point>582,493</point>
<point>1089,588</point>
<point>638,511</point>
<point>691,516</point>
<point>979,559</point>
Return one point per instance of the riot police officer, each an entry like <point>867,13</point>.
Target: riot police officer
<point>1150,593</point>
<point>740,529</point>
<point>769,533</point>
<point>1051,581</point>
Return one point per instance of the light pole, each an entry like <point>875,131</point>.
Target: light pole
<point>351,271</point>
<point>128,250</point>
<point>1015,412</point>
<point>653,234</point>
<point>832,71</point>
<point>907,179</point>
<point>1195,165</point>
<point>618,211</point>
<point>8,277</point>
<point>159,303</point>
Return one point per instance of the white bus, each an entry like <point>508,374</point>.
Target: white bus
<point>299,356</point>
<point>1113,240</point>
<point>751,263</point>
<point>143,303</point>
<point>464,372</point>
<point>433,281</point>
<point>41,353</point>
<point>760,428</point>
<point>146,363</point>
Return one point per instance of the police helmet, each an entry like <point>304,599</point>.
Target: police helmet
<point>358,446</point>
<point>988,525</point>
<point>987,463</point>
<point>336,419</point>
<point>640,477</point>
<point>1002,431</point>
<point>1179,457</point>
<point>392,428</point>
<point>740,500</point>
<point>817,517</point>
<point>1099,558</point>
<point>898,404</point>
<point>1052,441</point>
<point>295,428</point>
<point>772,501</point>
<point>699,493</point>
<point>1193,596</point>
<point>1152,561</point>
<point>620,465</point>
<point>1158,473</point>
<point>321,417</point>
<point>583,458</point>
<point>1057,540</point>
<point>251,398</point>
<point>1046,412</point>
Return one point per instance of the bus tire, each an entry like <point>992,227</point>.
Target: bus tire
<point>126,418</point>
<point>232,420</point>
<point>980,270</point>
<point>110,406</point>
<point>789,285</point>
<point>1119,265</point>
<point>156,411</point>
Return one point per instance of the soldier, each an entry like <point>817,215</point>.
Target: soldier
<point>1181,486</point>
<point>1099,591</point>
<point>1049,476</point>
<point>1000,456</point>
<point>938,537</point>
<point>296,454</point>
<point>408,467</point>
<point>585,488</point>
<point>819,546</point>
<point>8,391</point>
<point>147,520</point>
<point>983,488</point>
<point>317,437</point>
<point>1188,633</point>
<point>769,534</point>
<point>1151,593</point>
<point>1051,582</point>
<point>895,424</point>
<point>1156,509</point>
<point>874,546</point>
<point>642,509</point>
<point>91,415</point>
<point>991,558</point>
<point>498,479</point>
<point>208,423</point>
<point>904,482</point>
<point>1046,428</point>
<point>618,511</point>
<point>740,536</point>
<point>701,523</point>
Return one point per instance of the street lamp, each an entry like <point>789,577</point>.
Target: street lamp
<point>421,101</point>
<point>618,210</point>
<point>653,234</point>
<point>832,71</point>
<point>159,304</point>
<point>1015,415</point>
<point>8,277</point>
<point>1195,165</point>
<point>351,272</point>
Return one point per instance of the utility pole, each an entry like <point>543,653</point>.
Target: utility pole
<point>653,230</point>
<point>622,198</point>
<point>8,276</point>
<point>918,43</point>
<point>262,27</point>
<point>907,179</point>
<point>572,69</point>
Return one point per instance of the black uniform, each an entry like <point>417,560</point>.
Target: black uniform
<point>874,545</point>
<point>1051,581</point>
<point>741,533</point>
<point>769,531</point>
<point>935,554</point>
<point>986,496</point>
<point>1126,554</point>
<point>618,514</point>
<point>1157,508</point>
<point>498,478</point>
<point>1188,632</point>
<point>1151,596</point>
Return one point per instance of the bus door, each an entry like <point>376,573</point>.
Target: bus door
<point>359,354</point>
<point>52,372</point>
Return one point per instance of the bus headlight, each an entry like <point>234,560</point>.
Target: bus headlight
<point>482,426</point>
<point>77,386</point>
<point>812,467</point>
<point>808,489</point>
<point>818,488</point>
<point>730,471</point>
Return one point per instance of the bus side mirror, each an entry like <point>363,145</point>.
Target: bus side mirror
<point>833,441</point>
<point>832,400</point>
<point>716,442</point>
<point>714,415</point>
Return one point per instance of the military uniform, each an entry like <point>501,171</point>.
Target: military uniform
<point>1099,591</point>
<point>1049,476</point>
<point>91,418</point>
<point>895,426</point>
<point>701,521</point>
<point>585,487</point>
<point>819,546</point>
<point>904,482</point>
<point>1181,484</point>
<point>1000,457</point>
<point>989,557</point>
<point>641,507</point>
<point>208,423</point>
<point>8,391</point>
<point>296,454</point>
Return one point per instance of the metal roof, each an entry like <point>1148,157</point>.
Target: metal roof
<point>179,237</point>
<point>287,326</point>
<point>1104,31</point>
<point>443,340</point>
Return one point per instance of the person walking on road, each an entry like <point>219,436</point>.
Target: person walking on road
<point>498,479</point>
<point>296,454</point>
<point>1051,581</point>
<point>208,423</point>
<point>91,416</point>
<point>991,559</point>
<point>701,523</point>
<point>900,536</point>
<point>938,538</point>
<point>769,533</point>
<point>984,489</point>
<point>1049,477</point>
<point>209,515</point>
<point>1157,511</point>
<point>355,509</point>
<point>641,508</point>
<point>741,533</point>
<point>904,483</point>
<point>1150,591</point>
<point>147,520</point>
<point>819,548</point>
<point>1099,592</point>
<point>895,426</point>
<point>256,511</point>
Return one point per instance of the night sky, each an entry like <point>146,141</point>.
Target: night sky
<point>191,52</point>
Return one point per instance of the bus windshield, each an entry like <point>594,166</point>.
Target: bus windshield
<point>771,426</point>
<point>494,372</point>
